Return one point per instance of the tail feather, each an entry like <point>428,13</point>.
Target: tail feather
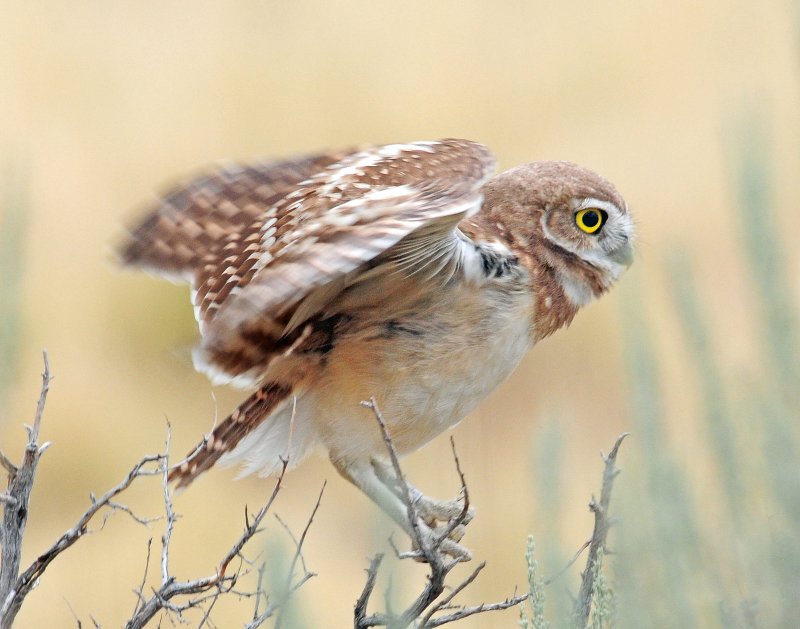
<point>227,435</point>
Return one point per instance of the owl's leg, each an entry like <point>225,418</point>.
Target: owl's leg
<point>365,477</point>
<point>435,513</point>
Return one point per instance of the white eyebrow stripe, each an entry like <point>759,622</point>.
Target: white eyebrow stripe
<point>600,205</point>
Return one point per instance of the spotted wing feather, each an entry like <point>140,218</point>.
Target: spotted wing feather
<point>191,219</point>
<point>321,235</point>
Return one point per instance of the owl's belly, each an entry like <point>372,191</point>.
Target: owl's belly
<point>427,371</point>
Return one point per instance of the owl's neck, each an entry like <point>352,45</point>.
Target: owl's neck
<point>553,308</point>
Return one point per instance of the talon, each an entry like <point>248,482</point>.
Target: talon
<point>447,546</point>
<point>443,510</point>
<point>469,515</point>
<point>455,550</point>
<point>457,533</point>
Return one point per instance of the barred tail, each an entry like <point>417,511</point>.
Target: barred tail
<point>225,437</point>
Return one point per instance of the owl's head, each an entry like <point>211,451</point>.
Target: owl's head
<point>567,219</point>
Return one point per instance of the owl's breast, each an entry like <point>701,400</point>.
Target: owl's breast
<point>428,364</point>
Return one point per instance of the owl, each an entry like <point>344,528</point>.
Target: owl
<point>403,272</point>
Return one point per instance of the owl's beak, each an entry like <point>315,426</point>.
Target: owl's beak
<point>623,255</point>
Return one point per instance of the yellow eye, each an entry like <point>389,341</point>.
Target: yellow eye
<point>590,220</point>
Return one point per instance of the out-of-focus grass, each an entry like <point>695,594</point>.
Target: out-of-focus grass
<point>531,612</point>
<point>733,562</point>
<point>764,250</point>
<point>775,398</point>
<point>548,481</point>
<point>278,585</point>
<point>746,559</point>
<point>12,238</point>
<point>659,541</point>
<point>717,414</point>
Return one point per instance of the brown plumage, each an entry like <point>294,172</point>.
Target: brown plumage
<point>192,218</point>
<point>230,432</point>
<point>399,271</point>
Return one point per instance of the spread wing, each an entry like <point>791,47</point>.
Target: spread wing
<point>257,289</point>
<point>192,218</point>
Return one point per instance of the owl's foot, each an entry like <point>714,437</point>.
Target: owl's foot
<point>444,511</point>
<point>441,540</point>
<point>441,525</point>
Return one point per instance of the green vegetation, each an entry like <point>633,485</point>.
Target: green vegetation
<point>707,536</point>
<point>12,238</point>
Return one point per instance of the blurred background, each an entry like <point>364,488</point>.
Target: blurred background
<point>690,108</point>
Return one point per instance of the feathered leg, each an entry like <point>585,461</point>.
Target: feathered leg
<point>381,487</point>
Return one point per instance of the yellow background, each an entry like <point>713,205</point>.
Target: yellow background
<point>103,103</point>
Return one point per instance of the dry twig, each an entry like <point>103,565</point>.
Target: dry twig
<point>203,593</point>
<point>422,612</point>
<point>176,597</point>
<point>14,588</point>
<point>173,596</point>
<point>602,523</point>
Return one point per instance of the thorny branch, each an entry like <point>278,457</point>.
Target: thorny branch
<point>422,612</point>
<point>602,523</point>
<point>172,596</point>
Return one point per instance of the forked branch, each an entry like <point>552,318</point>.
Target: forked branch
<point>428,609</point>
<point>14,588</point>
<point>597,543</point>
<point>172,596</point>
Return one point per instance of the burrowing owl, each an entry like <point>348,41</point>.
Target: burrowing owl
<point>401,272</point>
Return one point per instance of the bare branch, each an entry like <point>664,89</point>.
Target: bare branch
<point>252,528</point>
<point>461,518</point>
<point>292,536</point>
<point>15,510</point>
<point>8,466</point>
<point>200,593</point>
<point>74,615</point>
<point>170,512</point>
<point>210,587</point>
<point>602,523</point>
<point>455,591</point>
<point>262,618</point>
<point>118,506</point>
<point>140,592</point>
<point>26,581</point>
<point>428,604</point>
<point>259,589</point>
<point>570,563</point>
<point>298,555</point>
<point>401,481</point>
<point>476,609</point>
<point>33,434</point>
<point>369,586</point>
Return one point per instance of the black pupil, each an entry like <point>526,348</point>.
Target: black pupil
<point>590,219</point>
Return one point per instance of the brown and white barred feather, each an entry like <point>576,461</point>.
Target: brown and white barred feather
<point>315,239</point>
<point>269,251</point>
<point>225,437</point>
<point>192,218</point>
